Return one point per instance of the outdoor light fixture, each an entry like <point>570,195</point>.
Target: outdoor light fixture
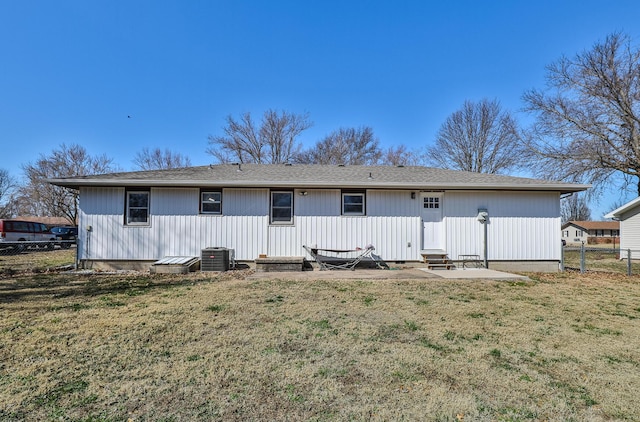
<point>304,193</point>
<point>413,195</point>
<point>482,215</point>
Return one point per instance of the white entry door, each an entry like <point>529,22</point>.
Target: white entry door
<point>433,230</point>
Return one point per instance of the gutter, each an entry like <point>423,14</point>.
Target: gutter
<point>77,183</point>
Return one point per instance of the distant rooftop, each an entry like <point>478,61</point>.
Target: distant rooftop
<point>49,221</point>
<point>594,225</point>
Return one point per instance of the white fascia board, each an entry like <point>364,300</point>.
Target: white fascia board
<point>559,187</point>
<point>621,210</point>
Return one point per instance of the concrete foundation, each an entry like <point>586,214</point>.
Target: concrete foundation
<point>280,263</point>
<point>271,264</point>
<point>115,265</point>
<point>526,266</point>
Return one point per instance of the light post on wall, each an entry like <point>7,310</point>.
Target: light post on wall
<point>483,216</point>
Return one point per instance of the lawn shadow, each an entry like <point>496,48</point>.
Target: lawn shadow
<point>26,287</point>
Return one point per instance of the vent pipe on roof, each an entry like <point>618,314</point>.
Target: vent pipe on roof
<point>370,176</point>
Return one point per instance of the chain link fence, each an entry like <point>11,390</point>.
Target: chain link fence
<point>603,259</point>
<point>19,257</point>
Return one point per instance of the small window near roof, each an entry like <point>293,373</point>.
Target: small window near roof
<point>353,203</point>
<point>137,208</point>
<point>211,202</point>
<point>281,207</point>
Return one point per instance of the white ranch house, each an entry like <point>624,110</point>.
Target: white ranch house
<point>590,232</point>
<point>629,217</point>
<point>135,218</point>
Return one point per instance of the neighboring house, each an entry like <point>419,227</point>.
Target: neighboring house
<point>628,216</point>
<point>590,232</point>
<point>47,221</point>
<point>274,210</point>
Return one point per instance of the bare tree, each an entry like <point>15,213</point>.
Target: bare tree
<point>40,198</point>
<point>274,141</point>
<point>156,159</point>
<point>7,185</point>
<point>480,137</point>
<point>575,208</point>
<point>399,156</point>
<point>344,146</point>
<point>587,125</point>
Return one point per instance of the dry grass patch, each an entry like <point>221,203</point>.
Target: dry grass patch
<point>35,260</point>
<point>605,260</point>
<point>562,347</point>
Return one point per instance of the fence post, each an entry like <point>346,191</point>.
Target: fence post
<point>629,262</point>
<point>582,269</point>
<point>561,257</point>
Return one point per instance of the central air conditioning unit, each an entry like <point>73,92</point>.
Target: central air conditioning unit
<point>214,259</point>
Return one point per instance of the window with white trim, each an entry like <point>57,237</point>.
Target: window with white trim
<point>211,202</point>
<point>137,211</point>
<point>353,203</point>
<point>281,207</point>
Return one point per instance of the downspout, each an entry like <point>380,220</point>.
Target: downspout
<point>486,259</point>
<point>483,218</point>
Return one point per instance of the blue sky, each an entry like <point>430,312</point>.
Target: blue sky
<point>72,71</point>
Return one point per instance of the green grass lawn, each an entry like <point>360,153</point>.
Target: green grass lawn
<point>172,348</point>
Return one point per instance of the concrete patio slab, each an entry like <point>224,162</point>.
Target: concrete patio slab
<point>398,274</point>
<point>477,273</point>
<point>358,274</point>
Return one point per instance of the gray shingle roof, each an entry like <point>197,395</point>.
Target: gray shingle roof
<point>318,176</point>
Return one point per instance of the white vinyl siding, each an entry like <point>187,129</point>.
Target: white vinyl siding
<point>522,226</point>
<point>630,232</point>
<point>317,203</point>
<point>246,202</point>
<point>394,238</point>
<point>176,227</point>
<point>382,203</point>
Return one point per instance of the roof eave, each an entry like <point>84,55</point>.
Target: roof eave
<point>76,183</point>
<point>621,210</point>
